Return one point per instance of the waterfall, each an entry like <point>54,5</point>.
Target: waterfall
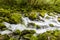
<point>43,24</point>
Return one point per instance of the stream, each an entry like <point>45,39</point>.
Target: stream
<point>43,24</point>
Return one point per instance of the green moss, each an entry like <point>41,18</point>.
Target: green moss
<point>47,17</point>
<point>38,27</point>
<point>2,26</point>
<point>1,37</point>
<point>51,25</point>
<point>7,16</point>
<point>53,35</point>
<point>58,19</point>
<point>1,19</point>
<point>6,19</point>
<point>28,32</point>
<point>34,38</point>
<point>6,37</point>
<point>33,15</point>
<point>17,32</point>
<point>30,37</point>
<point>31,24</point>
<point>4,14</point>
<point>15,18</point>
<point>27,36</point>
<point>50,14</point>
<point>42,13</point>
<point>42,37</point>
<point>12,39</point>
<point>26,14</point>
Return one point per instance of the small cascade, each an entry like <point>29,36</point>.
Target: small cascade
<point>44,24</point>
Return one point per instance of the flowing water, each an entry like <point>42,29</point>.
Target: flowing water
<point>43,24</point>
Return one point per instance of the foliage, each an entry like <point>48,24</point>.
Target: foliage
<point>51,5</point>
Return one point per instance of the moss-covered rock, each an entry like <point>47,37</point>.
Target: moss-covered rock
<point>1,19</point>
<point>7,16</point>
<point>4,13</point>
<point>2,26</point>
<point>24,32</point>
<point>58,19</point>
<point>38,26</point>
<point>47,17</point>
<point>34,38</point>
<point>51,14</point>
<point>6,37</point>
<point>12,38</point>
<point>33,25</point>
<point>15,18</point>
<point>27,36</point>
<point>49,35</point>
<point>42,13</point>
<point>32,15</point>
<point>51,25</point>
<point>42,37</point>
<point>17,32</point>
<point>30,37</point>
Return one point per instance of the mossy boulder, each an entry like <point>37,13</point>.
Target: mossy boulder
<point>32,15</point>
<point>42,13</point>
<point>42,37</point>
<point>30,37</point>
<point>51,14</point>
<point>27,36</point>
<point>5,19</point>
<point>7,16</point>
<point>15,18</point>
<point>38,26</point>
<point>49,35</point>
<point>47,17</point>
<point>58,19</point>
<point>1,19</point>
<point>4,13</point>
<point>5,37</point>
<point>17,32</point>
<point>2,26</point>
<point>24,32</point>
<point>51,25</point>
<point>34,38</point>
<point>12,38</point>
<point>33,25</point>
